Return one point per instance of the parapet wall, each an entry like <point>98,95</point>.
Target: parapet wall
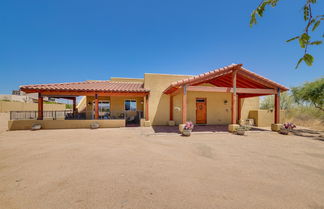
<point>63,124</point>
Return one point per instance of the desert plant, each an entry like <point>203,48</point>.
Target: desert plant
<point>187,129</point>
<point>188,126</point>
<point>241,130</point>
<point>286,128</point>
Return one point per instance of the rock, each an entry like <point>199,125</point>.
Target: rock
<point>94,125</point>
<point>36,127</point>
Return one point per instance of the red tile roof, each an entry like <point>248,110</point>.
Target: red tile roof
<point>206,77</point>
<point>97,86</point>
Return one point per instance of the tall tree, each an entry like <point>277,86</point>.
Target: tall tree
<point>310,93</point>
<point>311,24</point>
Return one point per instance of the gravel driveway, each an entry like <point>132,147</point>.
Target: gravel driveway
<point>133,168</point>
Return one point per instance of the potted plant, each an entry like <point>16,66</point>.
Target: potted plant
<point>241,130</point>
<point>187,129</point>
<point>286,128</point>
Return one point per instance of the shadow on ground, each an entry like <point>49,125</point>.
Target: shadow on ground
<point>201,128</point>
<point>316,135</point>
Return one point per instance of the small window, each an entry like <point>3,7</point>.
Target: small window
<point>200,100</point>
<point>130,105</point>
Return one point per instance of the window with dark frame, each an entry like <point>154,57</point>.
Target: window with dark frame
<point>130,105</point>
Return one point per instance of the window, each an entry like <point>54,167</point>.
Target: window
<point>104,106</point>
<point>104,109</point>
<point>200,100</point>
<point>130,105</point>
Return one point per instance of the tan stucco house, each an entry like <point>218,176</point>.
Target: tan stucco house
<point>225,96</point>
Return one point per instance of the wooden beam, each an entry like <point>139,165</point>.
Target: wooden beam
<point>171,107</point>
<point>219,82</point>
<point>176,92</point>
<point>230,90</point>
<point>147,108</point>
<point>96,107</point>
<point>68,98</point>
<point>184,105</point>
<point>40,107</point>
<point>247,83</point>
<point>246,75</point>
<point>209,89</point>
<point>234,98</point>
<point>255,91</point>
<point>277,107</point>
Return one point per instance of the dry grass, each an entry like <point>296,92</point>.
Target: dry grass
<point>307,117</point>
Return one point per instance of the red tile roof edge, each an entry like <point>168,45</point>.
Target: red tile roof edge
<point>51,87</point>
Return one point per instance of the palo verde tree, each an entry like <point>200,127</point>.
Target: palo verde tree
<point>312,22</point>
<point>310,93</point>
<point>286,101</point>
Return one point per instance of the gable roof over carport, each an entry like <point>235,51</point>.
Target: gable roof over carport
<point>222,77</point>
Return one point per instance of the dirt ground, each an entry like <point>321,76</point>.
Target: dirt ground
<point>137,169</point>
<point>4,117</point>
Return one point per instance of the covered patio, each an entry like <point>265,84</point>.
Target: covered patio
<point>121,101</point>
<point>233,79</point>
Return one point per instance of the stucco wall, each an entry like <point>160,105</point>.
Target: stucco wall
<point>63,124</point>
<point>217,111</point>
<point>21,106</point>
<point>248,104</point>
<point>127,79</point>
<point>159,103</point>
<point>264,118</point>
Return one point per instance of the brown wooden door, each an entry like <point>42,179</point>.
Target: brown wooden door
<point>201,111</point>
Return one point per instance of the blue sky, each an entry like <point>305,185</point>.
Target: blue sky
<point>76,40</point>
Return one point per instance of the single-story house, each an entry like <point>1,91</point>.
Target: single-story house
<point>221,96</point>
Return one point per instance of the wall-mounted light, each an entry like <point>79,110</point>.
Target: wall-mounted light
<point>142,102</point>
<point>225,102</point>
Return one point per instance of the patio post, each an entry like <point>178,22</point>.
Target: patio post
<point>74,105</point>
<point>239,103</point>
<point>234,98</point>
<point>40,106</point>
<point>184,104</point>
<point>171,107</point>
<point>277,107</point>
<point>147,118</point>
<point>96,107</point>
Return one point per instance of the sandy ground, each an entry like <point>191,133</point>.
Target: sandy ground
<point>136,169</point>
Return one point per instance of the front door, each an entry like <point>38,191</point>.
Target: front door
<point>201,111</point>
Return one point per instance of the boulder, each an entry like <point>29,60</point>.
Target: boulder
<point>36,127</point>
<point>94,125</point>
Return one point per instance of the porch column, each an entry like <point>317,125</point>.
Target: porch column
<point>74,105</point>
<point>40,106</point>
<point>239,103</point>
<point>96,107</point>
<point>147,118</point>
<point>171,107</point>
<point>234,98</point>
<point>277,107</point>
<point>184,105</point>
